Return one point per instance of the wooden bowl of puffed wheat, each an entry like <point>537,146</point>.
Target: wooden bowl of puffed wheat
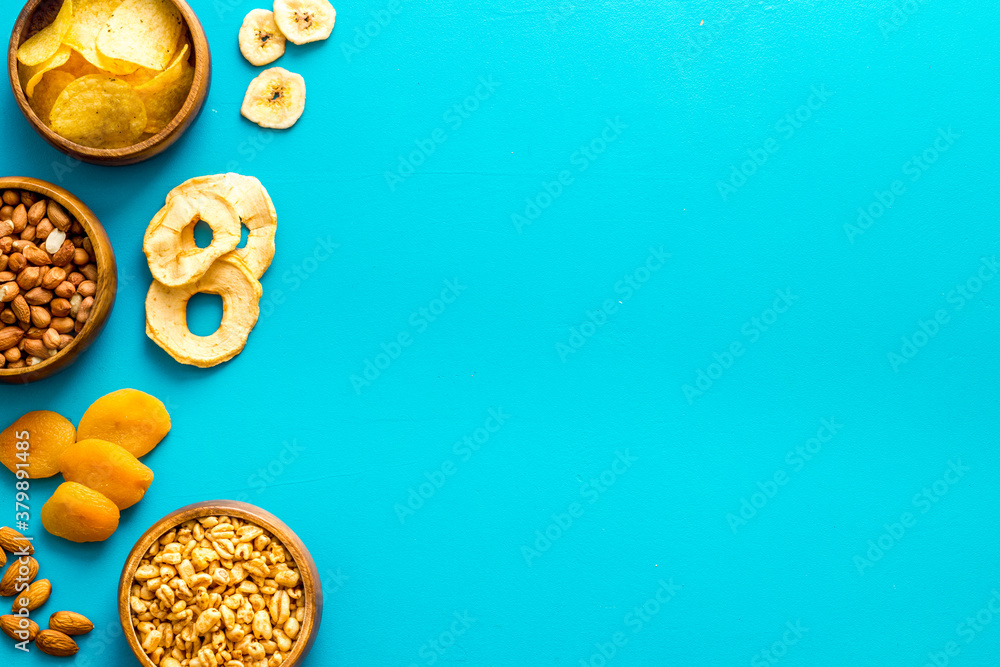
<point>238,570</point>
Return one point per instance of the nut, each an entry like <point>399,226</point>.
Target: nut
<point>14,542</point>
<point>19,629</point>
<point>9,337</point>
<point>8,291</point>
<point>33,598</point>
<point>18,572</point>
<point>22,311</point>
<point>57,214</point>
<point>38,296</point>
<point>56,643</point>
<point>53,277</point>
<point>70,623</point>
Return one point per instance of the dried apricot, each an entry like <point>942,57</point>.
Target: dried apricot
<point>128,417</point>
<point>106,467</point>
<point>37,439</point>
<point>80,514</point>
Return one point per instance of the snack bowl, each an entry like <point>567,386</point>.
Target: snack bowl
<point>107,280</point>
<point>312,596</point>
<point>27,24</point>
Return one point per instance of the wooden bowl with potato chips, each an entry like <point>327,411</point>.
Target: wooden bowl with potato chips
<point>110,82</point>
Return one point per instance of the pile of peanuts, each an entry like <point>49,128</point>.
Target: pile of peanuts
<point>48,278</point>
<point>217,592</point>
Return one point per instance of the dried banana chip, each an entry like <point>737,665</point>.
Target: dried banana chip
<point>171,263</point>
<point>275,99</point>
<point>304,21</point>
<point>255,208</point>
<point>261,40</point>
<point>166,314</point>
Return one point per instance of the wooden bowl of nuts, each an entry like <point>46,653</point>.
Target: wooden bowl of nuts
<point>220,582</point>
<point>149,99</point>
<point>58,279</point>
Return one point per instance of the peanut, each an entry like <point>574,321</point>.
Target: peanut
<point>46,261</point>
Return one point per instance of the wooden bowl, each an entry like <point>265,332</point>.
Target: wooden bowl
<point>107,280</point>
<point>313,595</point>
<point>116,156</point>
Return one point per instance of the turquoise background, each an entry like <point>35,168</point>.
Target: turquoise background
<point>693,91</point>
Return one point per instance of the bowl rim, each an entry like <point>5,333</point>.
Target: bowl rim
<point>313,587</point>
<point>107,284</point>
<point>202,53</point>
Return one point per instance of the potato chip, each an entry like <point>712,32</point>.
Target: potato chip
<point>47,91</point>
<point>30,76</point>
<point>44,44</point>
<point>99,111</point>
<point>89,18</point>
<point>142,32</point>
<point>165,94</point>
<point>78,66</point>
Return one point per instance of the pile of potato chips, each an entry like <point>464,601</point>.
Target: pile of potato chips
<point>108,73</point>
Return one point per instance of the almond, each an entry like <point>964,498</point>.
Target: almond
<point>17,573</point>
<point>3,554</point>
<point>10,539</point>
<point>70,623</point>
<point>19,629</point>
<point>56,643</point>
<point>33,598</point>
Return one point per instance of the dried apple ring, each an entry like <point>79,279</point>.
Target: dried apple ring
<point>170,262</point>
<point>166,314</point>
<point>255,208</point>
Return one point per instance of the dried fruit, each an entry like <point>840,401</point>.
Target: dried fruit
<point>166,322</point>
<point>21,572</point>
<point>108,468</point>
<point>128,417</point>
<point>19,628</point>
<point>254,207</point>
<point>35,442</point>
<point>275,99</point>
<point>304,21</point>
<point>79,514</point>
<point>170,263</point>
<point>70,623</point>
<point>56,643</point>
<point>261,40</point>
<point>33,598</point>
<point>15,542</point>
